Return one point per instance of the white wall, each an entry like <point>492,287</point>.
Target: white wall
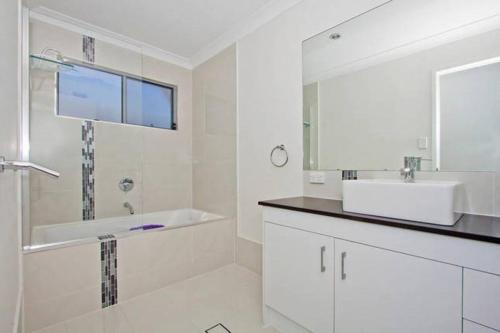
<point>270,103</point>
<point>9,226</point>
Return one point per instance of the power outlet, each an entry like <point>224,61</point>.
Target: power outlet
<point>316,177</point>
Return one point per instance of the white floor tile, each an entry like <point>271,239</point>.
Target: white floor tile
<point>230,295</point>
<point>59,328</point>
<point>89,323</point>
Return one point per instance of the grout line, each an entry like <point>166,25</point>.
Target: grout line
<point>479,324</point>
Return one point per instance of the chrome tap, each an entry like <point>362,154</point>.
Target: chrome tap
<point>130,208</point>
<point>411,164</point>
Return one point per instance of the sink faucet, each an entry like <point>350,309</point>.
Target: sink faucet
<point>411,164</point>
<point>130,208</point>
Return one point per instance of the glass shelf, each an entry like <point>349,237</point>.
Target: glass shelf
<point>38,62</point>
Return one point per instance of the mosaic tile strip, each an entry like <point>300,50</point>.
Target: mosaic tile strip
<point>109,264</point>
<point>88,48</point>
<point>349,174</point>
<point>219,328</point>
<point>88,181</point>
<point>105,237</point>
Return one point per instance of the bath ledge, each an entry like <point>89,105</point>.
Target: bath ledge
<point>125,229</point>
<point>476,227</point>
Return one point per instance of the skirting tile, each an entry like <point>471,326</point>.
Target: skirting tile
<point>249,254</point>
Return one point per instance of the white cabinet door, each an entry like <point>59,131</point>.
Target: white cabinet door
<point>380,291</point>
<point>298,276</point>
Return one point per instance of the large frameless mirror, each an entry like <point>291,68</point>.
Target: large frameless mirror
<point>407,79</point>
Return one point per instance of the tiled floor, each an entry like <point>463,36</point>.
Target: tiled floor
<point>230,296</point>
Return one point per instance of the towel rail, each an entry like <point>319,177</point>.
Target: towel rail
<point>24,165</point>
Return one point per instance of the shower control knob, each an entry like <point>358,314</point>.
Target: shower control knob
<point>126,184</point>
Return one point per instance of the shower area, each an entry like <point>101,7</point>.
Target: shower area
<point>139,189</point>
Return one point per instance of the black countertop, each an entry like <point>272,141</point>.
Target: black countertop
<point>476,227</point>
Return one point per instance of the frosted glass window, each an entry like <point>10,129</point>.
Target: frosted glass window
<point>90,94</point>
<point>105,95</point>
<point>149,104</point>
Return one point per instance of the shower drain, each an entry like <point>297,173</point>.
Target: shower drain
<point>219,328</point>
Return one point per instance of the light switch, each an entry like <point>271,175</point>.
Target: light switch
<point>316,177</point>
<point>423,143</point>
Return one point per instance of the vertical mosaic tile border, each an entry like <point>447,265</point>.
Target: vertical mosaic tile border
<point>109,265</point>
<point>349,174</point>
<point>88,146</point>
<point>88,49</point>
<point>88,180</point>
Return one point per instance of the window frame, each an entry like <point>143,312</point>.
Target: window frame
<point>124,76</point>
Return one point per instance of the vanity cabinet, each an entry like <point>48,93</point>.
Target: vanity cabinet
<point>374,278</point>
<point>298,275</point>
<point>381,291</point>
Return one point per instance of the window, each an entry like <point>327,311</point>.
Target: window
<point>149,104</point>
<point>91,93</point>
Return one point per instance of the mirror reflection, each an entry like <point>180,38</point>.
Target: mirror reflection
<point>374,93</point>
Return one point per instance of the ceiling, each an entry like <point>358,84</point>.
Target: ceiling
<point>180,27</point>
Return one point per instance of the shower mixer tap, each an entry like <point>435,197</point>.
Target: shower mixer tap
<point>130,208</point>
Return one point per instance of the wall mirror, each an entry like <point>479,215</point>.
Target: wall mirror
<point>409,78</point>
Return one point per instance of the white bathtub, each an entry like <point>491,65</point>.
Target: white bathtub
<point>118,226</point>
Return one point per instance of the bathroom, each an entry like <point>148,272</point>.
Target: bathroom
<point>270,166</point>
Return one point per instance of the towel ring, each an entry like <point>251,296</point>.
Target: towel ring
<point>284,158</point>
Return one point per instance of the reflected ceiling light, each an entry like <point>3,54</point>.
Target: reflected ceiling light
<point>334,36</point>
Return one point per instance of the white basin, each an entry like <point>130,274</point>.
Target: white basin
<point>437,202</point>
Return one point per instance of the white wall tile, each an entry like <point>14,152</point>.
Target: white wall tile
<point>154,260</point>
<point>249,254</point>
<point>61,284</point>
<point>214,134</point>
<point>213,245</point>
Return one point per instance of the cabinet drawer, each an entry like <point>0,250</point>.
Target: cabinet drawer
<point>482,298</point>
<point>470,327</point>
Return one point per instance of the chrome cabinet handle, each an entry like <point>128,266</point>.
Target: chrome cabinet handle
<point>323,268</point>
<point>23,165</point>
<point>343,275</point>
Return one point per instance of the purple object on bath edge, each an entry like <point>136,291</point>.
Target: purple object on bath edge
<point>147,227</point>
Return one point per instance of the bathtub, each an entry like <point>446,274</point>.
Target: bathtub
<point>82,231</point>
<point>68,267</point>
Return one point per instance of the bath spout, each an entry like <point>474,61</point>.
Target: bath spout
<point>130,208</point>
